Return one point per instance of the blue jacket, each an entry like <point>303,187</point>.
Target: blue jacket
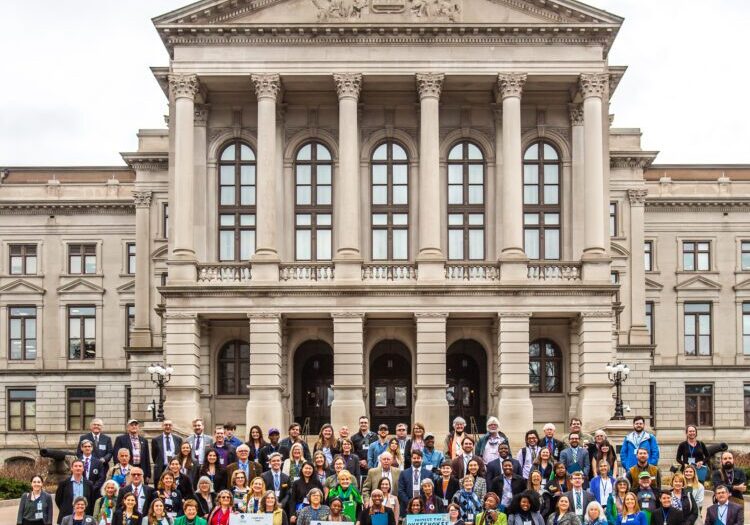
<point>373,453</point>
<point>434,458</point>
<point>581,456</point>
<point>632,443</point>
<point>595,485</point>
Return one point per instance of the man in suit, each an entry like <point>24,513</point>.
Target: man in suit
<point>72,488</point>
<point>385,470</point>
<point>579,497</point>
<point>575,457</point>
<point>410,480</point>
<point>94,469</point>
<point>459,462</point>
<point>495,467</point>
<point>138,447</point>
<point>102,442</point>
<point>164,447</point>
<point>554,445</point>
<point>508,484</point>
<point>199,441</point>
<point>251,468</point>
<point>724,512</point>
<point>276,480</point>
<point>144,494</point>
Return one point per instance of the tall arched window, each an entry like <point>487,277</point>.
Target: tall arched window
<point>541,201</point>
<point>465,202</point>
<point>233,372</point>
<point>313,212</point>
<point>545,366</point>
<point>236,202</point>
<point>390,202</point>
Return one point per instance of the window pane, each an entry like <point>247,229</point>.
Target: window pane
<point>531,243</point>
<point>90,264</point>
<point>89,326</point>
<point>549,152</point>
<point>247,196</point>
<point>476,174</point>
<point>323,153</point>
<point>379,174</point>
<point>379,219</point>
<point>227,175</point>
<point>745,261</point>
<point>530,175</point>
<point>323,219</point>
<point>227,195</point>
<point>324,195</point>
<point>247,244</point>
<point>704,323</point>
<point>455,194</point>
<point>323,174</point>
<point>379,244</point>
<point>246,153</point>
<point>550,195</point>
<point>323,245</point>
<point>381,153</point>
<point>226,246</point>
<point>530,218</point>
<point>476,244</point>
<point>304,195</point>
<point>16,265</point>
<point>703,261</point>
<point>400,242</point>
<point>303,245</point>
<point>705,345</point>
<point>228,153</point>
<point>697,307</point>
<point>304,174</point>
<point>400,173</point>
<point>400,195</point>
<point>400,219</point>
<point>476,194</point>
<point>532,153</point>
<point>381,396</point>
<point>305,152</point>
<point>455,219</point>
<point>455,174</point>
<point>474,152</point>
<point>380,195</point>
<point>456,152</point>
<point>455,244</point>
<point>551,244</point>
<point>226,220</point>
<point>75,264</point>
<point>551,219</point>
<point>30,265</point>
<point>15,328</point>
<point>688,261</point>
<point>398,152</point>
<point>531,194</point>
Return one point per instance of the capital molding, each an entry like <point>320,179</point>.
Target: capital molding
<point>200,117</point>
<point>575,112</point>
<point>260,316</point>
<point>517,315</point>
<point>597,314</point>
<point>348,85</point>
<point>142,199</point>
<point>632,159</point>
<point>637,196</point>
<point>430,85</point>
<point>594,84</point>
<point>267,85</point>
<point>511,84</point>
<point>181,315</point>
<point>430,315</point>
<point>347,315</point>
<point>184,85</point>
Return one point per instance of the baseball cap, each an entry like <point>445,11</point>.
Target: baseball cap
<point>273,431</point>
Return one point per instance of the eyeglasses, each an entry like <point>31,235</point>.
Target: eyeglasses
<point>135,474</point>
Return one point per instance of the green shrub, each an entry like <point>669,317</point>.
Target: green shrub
<point>13,488</point>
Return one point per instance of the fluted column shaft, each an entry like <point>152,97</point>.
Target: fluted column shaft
<point>593,88</point>
<point>577,154</point>
<point>267,87</point>
<point>638,331</point>
<point>346,215</point>
<point>141,335</point>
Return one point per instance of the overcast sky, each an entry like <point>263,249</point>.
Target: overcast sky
<point>76,85</point>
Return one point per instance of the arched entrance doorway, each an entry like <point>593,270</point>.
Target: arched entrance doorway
<point>313,365</point>
<point>464,374</point>
<point>390,384</point>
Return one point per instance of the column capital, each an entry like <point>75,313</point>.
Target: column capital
<point>637,196</point>
<point>184,86</point>
<point>200,118</point>
<point>431,315</point>
<point>347,315</point>
<point>267,85</point>
<point>511,84</point>
<point>261,316</point>
<point>142,199</point>
<point>594,84</point>
<point>348,85</point>
<point>576,114</point>
<point>429,85</point>
<point>517,315</point>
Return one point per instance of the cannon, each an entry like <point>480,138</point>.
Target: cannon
<point>58,468</point>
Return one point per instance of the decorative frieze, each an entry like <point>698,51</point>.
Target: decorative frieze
<point>267,85</point>
<point>142,199</point>
<point>576,114</point>
<point>511,84</point>
<point>594,84</point>
<point>201,115</point>
<point>348,85</point>
<point>637,196</point>
<point>429,84</point>
<point>184,86</point>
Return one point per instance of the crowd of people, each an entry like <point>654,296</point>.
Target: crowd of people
<point>375,478</point>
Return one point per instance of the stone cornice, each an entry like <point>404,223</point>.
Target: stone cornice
<point>78,207</point>
<point>678,204</point>
<point>147,161</point>
<point>632,159</point>
<point>430,84</point>
<point>511,84</point>
<point>348,85</point>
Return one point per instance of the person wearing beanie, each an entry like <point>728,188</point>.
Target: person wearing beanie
<point>616,500</point>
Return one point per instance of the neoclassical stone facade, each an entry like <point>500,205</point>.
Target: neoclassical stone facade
<point>412,210</point>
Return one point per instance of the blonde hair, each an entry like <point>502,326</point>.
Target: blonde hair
<point>695,483</point>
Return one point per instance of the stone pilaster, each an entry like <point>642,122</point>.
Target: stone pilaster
<point>638,331</point>
<point>348,369</point>
<point>182,352</point>
<point>141,334</point>
<point>595,404</point>
<point>577,154</point>
<point>514,409</point>
<point>430,257</point>
<point>200,171</point>
<point>431,406</point>
<point>264,402</point>
<point>513,257</point>
<point>347,213</point>
<point>183,89</point>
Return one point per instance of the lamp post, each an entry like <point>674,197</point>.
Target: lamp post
<point>618,373</point>
<point>160,376</point>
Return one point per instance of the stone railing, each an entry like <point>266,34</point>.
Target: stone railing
<point>554,271</point>
<point>306,272</point>
<point>472,272</point>
<point>389,272</point>
<point>219,273</point>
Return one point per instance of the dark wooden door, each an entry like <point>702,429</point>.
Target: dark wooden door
<point>462,376</point>
<point>390,391</point>
<point>317,391</point>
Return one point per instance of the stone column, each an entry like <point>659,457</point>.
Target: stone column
<point>347,213</point>
<point>514,409</point>
<point>183,88</point>
<point>430,258</point>
<point>513,257</point>
<point>264,402</point>
<point>348,369</point>
<point>593,88</point>
<point>431,405</point>
<point>595,404</point>
<point>577,205</point>
<point>266,258</point>
<point>201,206</point>
<point>182,352</point>
<point>638,331</point>
<point>141,334</point>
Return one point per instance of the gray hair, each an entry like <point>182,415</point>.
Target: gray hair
<point>110,482</point>
<point>86,442</point>
<point>314,490</point>
<point>458,421</point>
<point>205,478</point>
<point>550,426</point>
<point>594,504</point>
<point>427,481</point>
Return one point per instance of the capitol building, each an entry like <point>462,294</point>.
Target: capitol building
<point>409,209</point>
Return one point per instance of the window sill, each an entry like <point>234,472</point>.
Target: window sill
<point>78,275</point>
<point>696,272</point>
<point>21,275</point>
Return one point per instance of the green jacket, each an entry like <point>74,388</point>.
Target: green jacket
<point>182,520</point>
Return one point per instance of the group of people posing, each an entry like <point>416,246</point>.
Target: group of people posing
<point>375,478</point>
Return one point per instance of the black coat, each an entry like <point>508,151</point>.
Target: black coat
<point>517,485</point>
<point>134,520</point>
<point>123,441</point>
<point>734,515</point>
<point>64,498</point>
<point>364,517</point>
<point>495,469</point>
<point>104,451</point>
<point>97,473</point>
<point>557,446</point>
<point>47,506</point>
<point>203,510</point>
<point>674,517</point>
<point>285,487</point>
<point>298,493</point>
<point>719,477</point>
<point>453,487</point>
<point>266,451</point>
<point>285,445</point>
<point>158,454</point>
<point>149,494</point>
<point>172,501</point>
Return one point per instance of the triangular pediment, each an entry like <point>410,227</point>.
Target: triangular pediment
<point>290,12</point>
<point>744,285</point>
<point>80,286</point>
<point>21,286</point>
<point>128,287</point>
<point>698,283</point>
<point>653,285</point>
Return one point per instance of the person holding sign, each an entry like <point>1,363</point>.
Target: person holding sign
<point>347,492</point>
<point>270,505</point>
<point>190,516</point>
<point>525,510</point>
<point>467,500</point>
<point>414,506</point>
<point>315,511</point>
<point>432,503</point>
<point>491,515</point>
<point>564,516</point>
<point>223,510</point>
<point>377,513</point>
<point>240,490</point>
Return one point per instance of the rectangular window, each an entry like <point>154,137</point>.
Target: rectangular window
<point>82,258</point>
<point>699,405</point>
<point>648,255</point>
<point>131,258</point>
<point>746,328</point>
<point>21,409</point>
<point>165,220</point>
<point>22,332</point>
<point>652,403</point>
<point>81,407</point>
<point>698,329</point>
<point>745,255</point>
<point>613,219</point>
<point>696,256</point>
<point>22,259</point>
<point>130,322</point>
<point>650,320</point>
<point>81,332</point>
<point>746,398</point>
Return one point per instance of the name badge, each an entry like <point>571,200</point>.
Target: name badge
<point>102,447</point>
<point>691,461</point>
<point>167,501</point>
<point>277,492</point>
<point>428,467</point>
<point>471,518</point>
<point>365,447</point>
<point>38,515</point>
<point>39,505</point>
<point>415,489</point>
<point>445,502</point>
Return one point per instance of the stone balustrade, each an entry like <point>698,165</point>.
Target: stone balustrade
<point>554,271</point>
<point>472,272</point>
<point>306,272</point>
<point>221,273</point>
<point>389,272</point>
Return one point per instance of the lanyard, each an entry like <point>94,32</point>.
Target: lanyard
<point>722,518</point>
